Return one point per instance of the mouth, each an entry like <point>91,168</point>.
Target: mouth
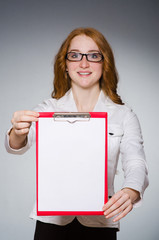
<point>85,74</point>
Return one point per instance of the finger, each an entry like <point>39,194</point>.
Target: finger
<point>113,199</point>
<point>20,116</point>
<point>23,131</point>
<point>118,210</point>
<point>123,198</point>
<point>30,113</point>
<point>21,125</point>
<point>123,214</point>
<point>24,118</point>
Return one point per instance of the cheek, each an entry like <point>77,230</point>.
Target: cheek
<point>71,67</point>
<point>98,70</point>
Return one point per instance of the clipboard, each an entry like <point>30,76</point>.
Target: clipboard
<point>71,163</point>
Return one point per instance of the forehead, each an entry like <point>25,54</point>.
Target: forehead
<point>83,43</point>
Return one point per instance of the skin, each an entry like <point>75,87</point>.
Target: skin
<point>86,91</point>
<point>121,204</point>
<point>85,88</point>
<point>84,44</point>
<point>21,122</point>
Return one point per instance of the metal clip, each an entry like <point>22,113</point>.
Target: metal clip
<point>71,117</point>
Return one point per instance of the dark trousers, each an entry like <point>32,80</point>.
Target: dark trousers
<point>72,231</point>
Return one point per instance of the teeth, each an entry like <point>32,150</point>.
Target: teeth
<point>84,73</point>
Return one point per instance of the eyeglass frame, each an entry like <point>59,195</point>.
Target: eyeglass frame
<point>84,54</point>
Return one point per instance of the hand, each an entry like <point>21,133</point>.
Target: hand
<point>21,122</point>
<point>120,204</point>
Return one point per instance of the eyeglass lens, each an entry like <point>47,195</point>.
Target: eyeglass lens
<point>92,57</point>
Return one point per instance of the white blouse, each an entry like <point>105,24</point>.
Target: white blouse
<point>125,140</point>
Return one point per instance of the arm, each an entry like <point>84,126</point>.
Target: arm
<point>135,171</point>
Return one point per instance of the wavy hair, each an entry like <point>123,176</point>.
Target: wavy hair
<point>109,79</point>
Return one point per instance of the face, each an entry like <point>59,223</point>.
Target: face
<point>84,74</point>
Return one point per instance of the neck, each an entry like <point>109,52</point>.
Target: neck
<point>85,99</point>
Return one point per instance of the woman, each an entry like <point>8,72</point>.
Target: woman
<point>86,80</point>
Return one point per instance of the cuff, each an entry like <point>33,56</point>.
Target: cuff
<point>139,202</point>
<point>11,150</point>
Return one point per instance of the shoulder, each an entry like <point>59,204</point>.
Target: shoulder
<point>125,110</point>
<point>128,117</point>
<point>52,104</point>
<point>120,114</point>
<point>121,110</point>
<point>48,105</point>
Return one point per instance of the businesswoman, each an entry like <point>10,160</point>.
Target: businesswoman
<point>85,80</point>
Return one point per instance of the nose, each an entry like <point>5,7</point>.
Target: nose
<point>84,63</point>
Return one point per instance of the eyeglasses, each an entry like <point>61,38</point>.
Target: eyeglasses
<point>91,57</point>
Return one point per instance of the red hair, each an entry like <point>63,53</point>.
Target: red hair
<point>109,79</point>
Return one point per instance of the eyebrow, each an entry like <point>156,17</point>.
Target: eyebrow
<point>77,50</point>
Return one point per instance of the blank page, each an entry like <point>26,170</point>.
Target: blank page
<point>71,166</point>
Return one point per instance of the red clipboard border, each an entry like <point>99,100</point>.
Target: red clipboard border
<point>53,213</point>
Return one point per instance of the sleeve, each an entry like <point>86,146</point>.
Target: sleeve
<point>30,141</point>
<point>133,157</point>
<point>31,136</point>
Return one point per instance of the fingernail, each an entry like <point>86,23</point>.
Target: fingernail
<point>106,212</point>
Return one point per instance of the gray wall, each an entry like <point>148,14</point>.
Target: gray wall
<point>30,34</point>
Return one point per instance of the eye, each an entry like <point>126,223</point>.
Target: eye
<point>74,55</point>
<point>94,55</point>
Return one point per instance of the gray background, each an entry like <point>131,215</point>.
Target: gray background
<point>30,34</point>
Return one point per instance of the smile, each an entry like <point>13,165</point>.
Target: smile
<point>84,73</point>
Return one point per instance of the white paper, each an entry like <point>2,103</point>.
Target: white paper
<point>71,165</point>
